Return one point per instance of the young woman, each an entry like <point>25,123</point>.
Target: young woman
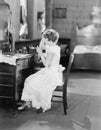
<point>39,87</point>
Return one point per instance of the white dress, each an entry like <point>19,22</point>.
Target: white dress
<point>39,87</point>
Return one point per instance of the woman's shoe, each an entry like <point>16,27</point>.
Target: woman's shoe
<point>24,106</point>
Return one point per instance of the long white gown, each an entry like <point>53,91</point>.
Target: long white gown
<point>39,87</point>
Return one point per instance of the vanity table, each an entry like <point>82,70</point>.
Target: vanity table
<point>13,71</point>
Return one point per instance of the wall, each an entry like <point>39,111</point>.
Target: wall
<point>34,6</point>
<point>78,11</point>
<point>38,6</point>
<point>48,10</point>
<point>15,7</point>
<point>30,18</point>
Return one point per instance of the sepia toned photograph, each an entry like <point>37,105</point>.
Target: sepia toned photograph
<point>50,64</point>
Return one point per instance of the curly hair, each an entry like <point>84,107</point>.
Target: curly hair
<point>51,35</point>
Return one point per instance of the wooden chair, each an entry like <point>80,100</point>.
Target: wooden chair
<point>62,90</point>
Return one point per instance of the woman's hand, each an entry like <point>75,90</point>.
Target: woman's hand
<point>39,51</point>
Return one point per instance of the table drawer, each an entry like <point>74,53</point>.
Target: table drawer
<point>6,80</point>
<point>7,69</point>
<point>6,91</point>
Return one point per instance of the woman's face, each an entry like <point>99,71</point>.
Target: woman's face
<point>46,42</point>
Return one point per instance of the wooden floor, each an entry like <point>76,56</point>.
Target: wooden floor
<point>85,111</point>
<point>84,99</point>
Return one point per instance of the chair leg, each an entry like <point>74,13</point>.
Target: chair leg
<point>65,104</point>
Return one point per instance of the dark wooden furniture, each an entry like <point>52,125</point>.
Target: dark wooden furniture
<point>12,79</point>
<point>26,43</point>
<point>65,48</point>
